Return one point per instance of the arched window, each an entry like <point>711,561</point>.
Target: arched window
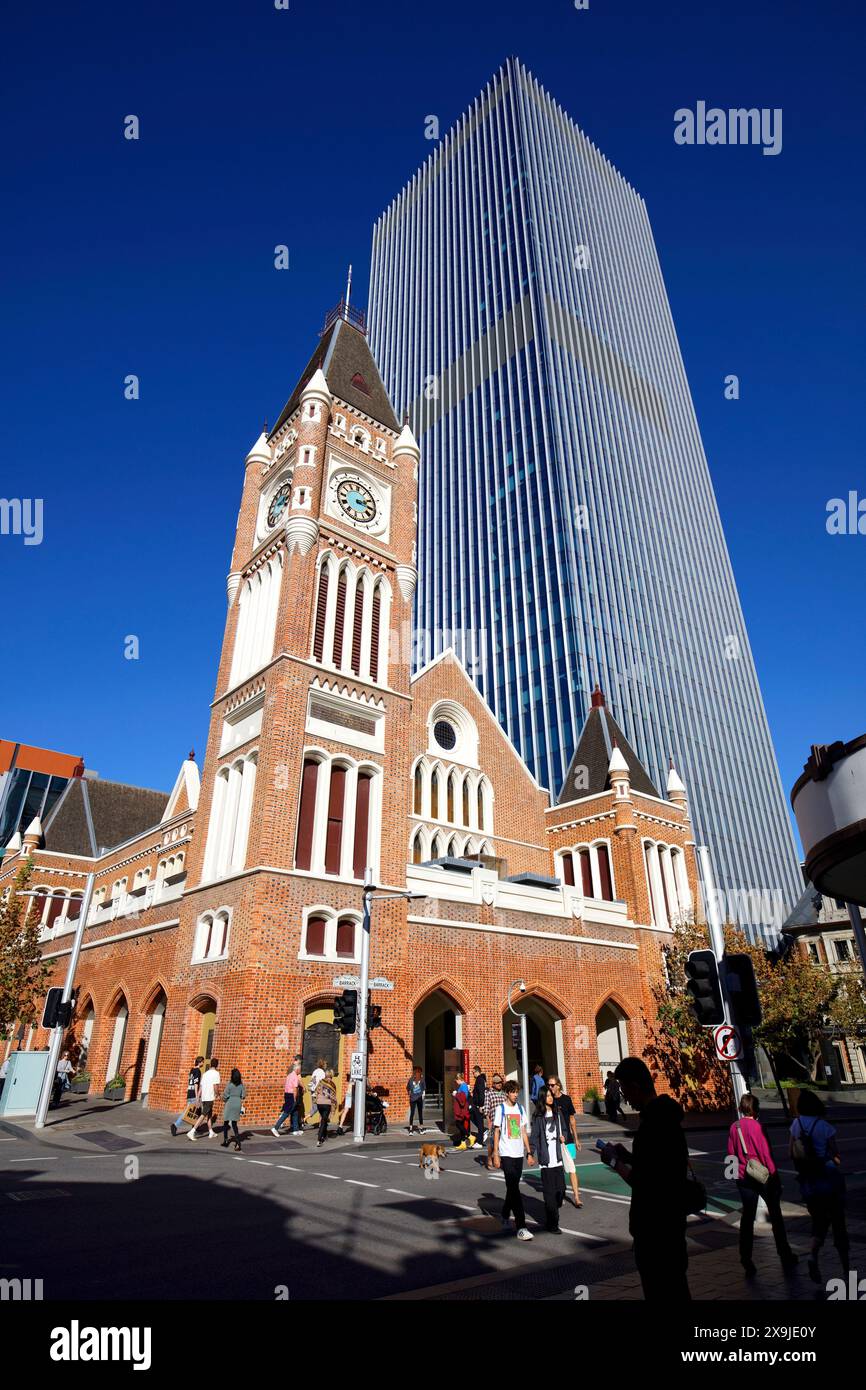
<point>585,873</point>
<point>567,862</point>
<point>481,822</point>
<point>340,617</point>
<point>604,875</point>
<point>321,611</point>
<point>434,794</point>
<point>314,940</point>
<point>330,936</point>
<point>361,854</point>
<point>418,790</point>
<point>346,928</point>
<point>465,820</point>
<point>231,810</point>
<point>417,848</point>
<point>258,604</point>
<point>375,631</point>
<point>306,814</point>
<point>452,784</point>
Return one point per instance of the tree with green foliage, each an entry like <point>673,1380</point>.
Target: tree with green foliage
<point>23,972</point>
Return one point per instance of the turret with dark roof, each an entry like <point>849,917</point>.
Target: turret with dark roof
<point>600,735</point>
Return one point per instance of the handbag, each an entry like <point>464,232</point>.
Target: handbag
<point>694,1194</point>
<point>755,1169</point>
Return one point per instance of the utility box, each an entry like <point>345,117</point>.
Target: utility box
<point>23,1087</point>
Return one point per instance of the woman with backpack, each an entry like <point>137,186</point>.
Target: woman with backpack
<point>816,1158</point>
<point>757,1177</point>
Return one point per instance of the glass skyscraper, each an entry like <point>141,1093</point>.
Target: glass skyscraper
<point>568,529</point>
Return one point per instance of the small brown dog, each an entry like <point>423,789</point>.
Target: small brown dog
<point>429,1159</point>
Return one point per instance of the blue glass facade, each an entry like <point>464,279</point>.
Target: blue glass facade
<point>568,530</point>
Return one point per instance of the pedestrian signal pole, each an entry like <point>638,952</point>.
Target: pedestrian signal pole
<point>717,941</point>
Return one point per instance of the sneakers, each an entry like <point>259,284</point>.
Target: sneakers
<point>319,1143</point>
<point>174,1129</point>
<point>472,1143</point>
<point>275,1131</point>
<point>523,1234</point>
<point>212,1134</point>
<point>460,1146</point>
<point>191,1135</point>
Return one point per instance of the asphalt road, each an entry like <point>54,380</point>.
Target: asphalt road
<point>163,1218</point>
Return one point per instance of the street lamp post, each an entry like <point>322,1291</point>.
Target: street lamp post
<point>521,985</point>
<point>360,1098</point>
<point>57,1032</point>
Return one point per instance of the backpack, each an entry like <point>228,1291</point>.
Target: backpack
<point>806,1161</point>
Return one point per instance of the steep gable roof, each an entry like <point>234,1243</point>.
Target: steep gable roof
<point>593,753</point>
<point>344,356</point>
<point>93,815</point>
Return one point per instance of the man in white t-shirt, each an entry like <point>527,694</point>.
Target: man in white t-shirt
<point>210,1083</point>
<point>510,1146</point>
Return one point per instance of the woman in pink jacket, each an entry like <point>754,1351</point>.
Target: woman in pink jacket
<point>747,1140</point>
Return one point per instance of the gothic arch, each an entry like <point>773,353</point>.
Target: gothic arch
<point>612,996</point>
<point>536,990</point>
<point>155,988</point>
<point>447,985</point>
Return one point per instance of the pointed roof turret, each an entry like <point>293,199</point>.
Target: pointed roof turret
<point>601,749</point>
<point>14,845</point>
<point>33,833</point>
<point>261,450</point>
<point>675,782</point>
<point>345,365</point>
<point>407,443</point>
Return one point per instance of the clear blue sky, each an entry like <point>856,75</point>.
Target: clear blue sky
<point>260,127</point>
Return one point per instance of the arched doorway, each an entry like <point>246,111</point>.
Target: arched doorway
<point>120,1017</point>
<point>84,1036</point>
<point>544,1039</point>
<point>323,1042</point>
<point>611,1036</point>
<point>156,1014</point>
<point>437,1031</point>
<point>205,1006</point>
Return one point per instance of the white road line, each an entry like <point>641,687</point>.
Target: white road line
<point>13,1140</point>
<point>600,1197</point>
<point>336,1178</point>
<point>397,1193</point>
<point>288,1168</point>
<point>386,1160</point>
<point>353,1182</point>
<point>38,1158</point>
<point>584,1235</point>
<point>261,1162</point>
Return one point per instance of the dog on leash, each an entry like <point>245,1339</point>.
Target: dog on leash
<point>430,1158</point>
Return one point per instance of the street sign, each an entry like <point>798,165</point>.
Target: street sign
<point>346,982</point>
<point>381,983</point>
<point>356,1071</point>
<point>729,1044</point>
<point>515,1036</point>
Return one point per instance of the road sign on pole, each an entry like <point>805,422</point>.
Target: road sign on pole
<point>381,983</point>
<point>729,1044</point>
<point>357,1068</point>
<point>346,982</point>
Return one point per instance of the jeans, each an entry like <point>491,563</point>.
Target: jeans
<point>828,1210</point>
<point>477,1117</point>
<point>234,1125</point>
<point>771,1192</point>
<point>553,1188</point>
<point>289,1110</point>
<point>419,1106</point>
<point>513,1204</point>
<point>324,1114</point>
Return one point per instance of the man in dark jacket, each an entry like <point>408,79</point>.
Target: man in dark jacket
<point>479,1092</point>
<point>656,1171</point>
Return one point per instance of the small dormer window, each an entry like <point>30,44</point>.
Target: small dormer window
<point>360,383</point>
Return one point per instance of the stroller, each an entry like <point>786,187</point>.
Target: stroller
<point>375,1121</point>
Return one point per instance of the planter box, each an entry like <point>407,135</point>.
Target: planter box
<point>80,1088</point>
<point>591,1107</point>
<point>115,1093</point>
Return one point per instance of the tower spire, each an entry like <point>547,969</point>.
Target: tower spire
<point>348,292</point>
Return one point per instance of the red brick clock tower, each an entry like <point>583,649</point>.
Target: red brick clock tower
<point>311,704</point>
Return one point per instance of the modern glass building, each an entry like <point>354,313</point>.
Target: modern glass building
<point>568,529</point>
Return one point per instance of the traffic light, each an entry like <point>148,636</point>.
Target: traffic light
<point>51,1012</point>
<point>742,988</point>
<point>702,982</point>
<point>374,1016</point>
<point>346,1010</point>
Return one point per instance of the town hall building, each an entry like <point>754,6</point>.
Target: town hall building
<point>224,910</point>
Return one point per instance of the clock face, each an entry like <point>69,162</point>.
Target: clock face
<point>356,500</point>
<point>279,502</point>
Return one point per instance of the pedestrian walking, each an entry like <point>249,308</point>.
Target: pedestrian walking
<point>462,1137</point>
<point>318,1074</point>
<point>61,1078</point>
<point>536,1083</point>
<point>612,1097</point>
<point>476,1106</point>
<point>415,1091</point>
<point>348,1102</point>
<point>757,1177</point>
<point>234,1096</point>
<point>193,1095</point>
<point>816,1158</point>
<point>290,1101</point>
<point>210,1083</point>
<point>568,1116</point>
<point>510,1147</point>
<point>325,1096</point>
<point>494,1096</point>
<point>656,1170</point>
<point>547,1142</point>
